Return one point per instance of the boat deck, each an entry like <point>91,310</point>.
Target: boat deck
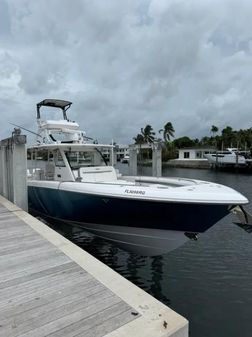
<point>50,287</point>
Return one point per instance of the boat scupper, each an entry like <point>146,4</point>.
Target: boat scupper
<point>70,181</point>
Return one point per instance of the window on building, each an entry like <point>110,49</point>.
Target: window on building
<point>198,154</point>
<point>186,154</point>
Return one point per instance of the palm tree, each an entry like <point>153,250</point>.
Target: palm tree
<point>148,134</point>
<point>139,139</point>
<point>214,129</point>
<point>228,136</point>
<point>168,131</point>
<point>205,141</point>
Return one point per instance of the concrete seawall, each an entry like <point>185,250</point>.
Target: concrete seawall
<point>197,164</point>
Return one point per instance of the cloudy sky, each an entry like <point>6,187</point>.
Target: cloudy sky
<point>128,63</point>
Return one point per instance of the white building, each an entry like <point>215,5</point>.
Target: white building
<point>194,153</point>
<point>120,151</point>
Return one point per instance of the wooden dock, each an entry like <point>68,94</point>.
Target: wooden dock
<point>50,287</point>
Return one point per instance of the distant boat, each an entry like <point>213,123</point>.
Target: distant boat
<point>230,156</point>
<point>125,159</point>
<point>70,182</point>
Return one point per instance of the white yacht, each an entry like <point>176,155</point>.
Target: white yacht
<point>125,159</point>
<point>70,182</point>
<point>230,156</point>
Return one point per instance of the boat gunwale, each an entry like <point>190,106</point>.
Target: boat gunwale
<point>61,186</point>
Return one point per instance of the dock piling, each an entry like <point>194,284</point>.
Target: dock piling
<point>13,184</point>
<point>156,158</point>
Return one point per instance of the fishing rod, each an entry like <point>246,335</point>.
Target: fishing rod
<point>21,127</point>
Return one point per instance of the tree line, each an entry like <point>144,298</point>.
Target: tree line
<point>227,137</point>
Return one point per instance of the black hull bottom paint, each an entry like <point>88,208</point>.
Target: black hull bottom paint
<point>86,208</point>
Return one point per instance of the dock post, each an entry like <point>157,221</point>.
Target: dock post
<point>156,160</point>
<point>3,172</point>
<point>13,184</point>
<point>132,160</point>
<point>20,173</point>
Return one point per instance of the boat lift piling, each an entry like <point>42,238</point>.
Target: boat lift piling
<point>156,158</point>
<point>13,168</point>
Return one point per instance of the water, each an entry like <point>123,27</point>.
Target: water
<point>208,281</point>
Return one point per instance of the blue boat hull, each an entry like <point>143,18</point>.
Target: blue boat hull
<point>83,208</point>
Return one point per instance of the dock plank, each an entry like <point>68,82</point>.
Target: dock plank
<point>78,321</point>
<point>19,270</point>
<point>21,246</point>
<point>29,262</point>
<point>44,293</point>
<point>26,305</point>
<point>39,288</point>
<point>104,321</point>
<point>32,276</point>
<point>97,324</point>
<point>53,311</point>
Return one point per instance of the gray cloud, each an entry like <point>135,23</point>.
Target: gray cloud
<point>128,63</point>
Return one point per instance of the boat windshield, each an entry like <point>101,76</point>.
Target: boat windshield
<point>77,159</point>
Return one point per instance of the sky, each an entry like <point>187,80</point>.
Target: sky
<point>128,63</point>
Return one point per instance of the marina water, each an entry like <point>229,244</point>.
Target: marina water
<point>208,281</point>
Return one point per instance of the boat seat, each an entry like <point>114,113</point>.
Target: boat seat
<point>98,174</point>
